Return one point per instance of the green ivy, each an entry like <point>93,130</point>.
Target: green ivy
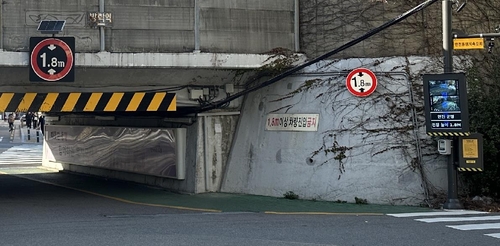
<point>484,118</point>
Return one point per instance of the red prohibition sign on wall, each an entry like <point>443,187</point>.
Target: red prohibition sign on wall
<point>361,82</point>
<point>52,62</point>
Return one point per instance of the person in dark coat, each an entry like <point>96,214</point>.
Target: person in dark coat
<point>41,124</point>
<point>34,119</point>
<point>28,119</point>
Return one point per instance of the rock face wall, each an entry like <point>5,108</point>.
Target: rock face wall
<point>372,147</point>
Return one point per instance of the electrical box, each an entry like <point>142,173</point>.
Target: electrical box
<point>444,146</point>
<point>229,88</point>
<point>195,94</point>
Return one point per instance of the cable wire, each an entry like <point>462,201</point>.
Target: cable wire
<point>291,71</point>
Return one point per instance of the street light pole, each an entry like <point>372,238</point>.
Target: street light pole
<point>447,37</point>
<point>452,201</point>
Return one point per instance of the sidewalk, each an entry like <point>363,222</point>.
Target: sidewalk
<point>208,202</point>
<point>22,134</point>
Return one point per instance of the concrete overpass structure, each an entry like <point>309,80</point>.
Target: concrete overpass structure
<point>142,69</point>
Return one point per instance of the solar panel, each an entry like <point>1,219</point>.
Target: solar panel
<point>51,26</point>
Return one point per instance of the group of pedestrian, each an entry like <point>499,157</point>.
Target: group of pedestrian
<point>33,121</point>
<point>36,122</point>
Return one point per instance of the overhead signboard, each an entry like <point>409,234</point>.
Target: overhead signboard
<point>446,107</point>
<point>361,82</point>
<point>52,59</point>
<point>468,43</point>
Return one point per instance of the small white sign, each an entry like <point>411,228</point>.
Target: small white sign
<point>292,122</point>
<point>218,128</point>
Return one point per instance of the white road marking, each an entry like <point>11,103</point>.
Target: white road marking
<point>497,235</point>
<point>454,212</point>
<point>22,154</point>
<point>475,226</point>
<point>458,219</point>
<point>454,216</point>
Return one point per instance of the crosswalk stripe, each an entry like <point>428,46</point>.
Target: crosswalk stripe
<point>454,216</point>
<point>470,227</point>
<point>458,219</point>
<point>22,154</point>
<point>459,212</point>
<point>497,235</point>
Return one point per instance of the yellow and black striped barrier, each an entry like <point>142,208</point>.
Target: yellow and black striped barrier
<point>88,102</point>
<point>469,169</point>
<point>448,134</point>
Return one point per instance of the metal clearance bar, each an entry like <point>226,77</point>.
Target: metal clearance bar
<point>88,102</point>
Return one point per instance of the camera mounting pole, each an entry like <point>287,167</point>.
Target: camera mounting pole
<point>452,201</point>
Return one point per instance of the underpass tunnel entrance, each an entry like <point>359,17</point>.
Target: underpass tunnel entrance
<point>137,135</point>
<point>142,137</point>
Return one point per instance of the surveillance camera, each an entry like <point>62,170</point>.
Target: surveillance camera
<point>491,44</point>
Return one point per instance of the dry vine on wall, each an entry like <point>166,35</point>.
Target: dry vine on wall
<point>387,123</point>
<point>328,24</point>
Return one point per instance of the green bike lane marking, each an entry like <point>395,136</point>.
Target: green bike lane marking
<point>207,202</point>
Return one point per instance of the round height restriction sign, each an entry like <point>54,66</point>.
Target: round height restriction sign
<point>361,82</point>
<point>51,59</point>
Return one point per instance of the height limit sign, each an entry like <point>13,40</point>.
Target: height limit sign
<point>52,59</point>
<point>361,82</point>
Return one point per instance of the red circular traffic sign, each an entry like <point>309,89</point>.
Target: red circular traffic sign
<point>50,61</point>
<point>361,82</point>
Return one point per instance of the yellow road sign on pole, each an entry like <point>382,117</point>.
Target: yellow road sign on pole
<point>468,43</point>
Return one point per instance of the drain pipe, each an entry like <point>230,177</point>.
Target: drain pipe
<point>101,28</point>
<point>205,154</point>
<point>196,26</point>
<point>1,25</point>
<point>297,26</point>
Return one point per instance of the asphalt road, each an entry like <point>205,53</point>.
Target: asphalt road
<point>36,212</point>
<point>33,213</point>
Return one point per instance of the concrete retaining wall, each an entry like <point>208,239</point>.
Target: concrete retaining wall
<point>253,26</point>
<point>387,156</point>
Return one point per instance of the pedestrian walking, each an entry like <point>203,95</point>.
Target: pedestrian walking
<point>11,122</point>
<point>41,124</point>
<point>34,120</point>
<point>29,117</point>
